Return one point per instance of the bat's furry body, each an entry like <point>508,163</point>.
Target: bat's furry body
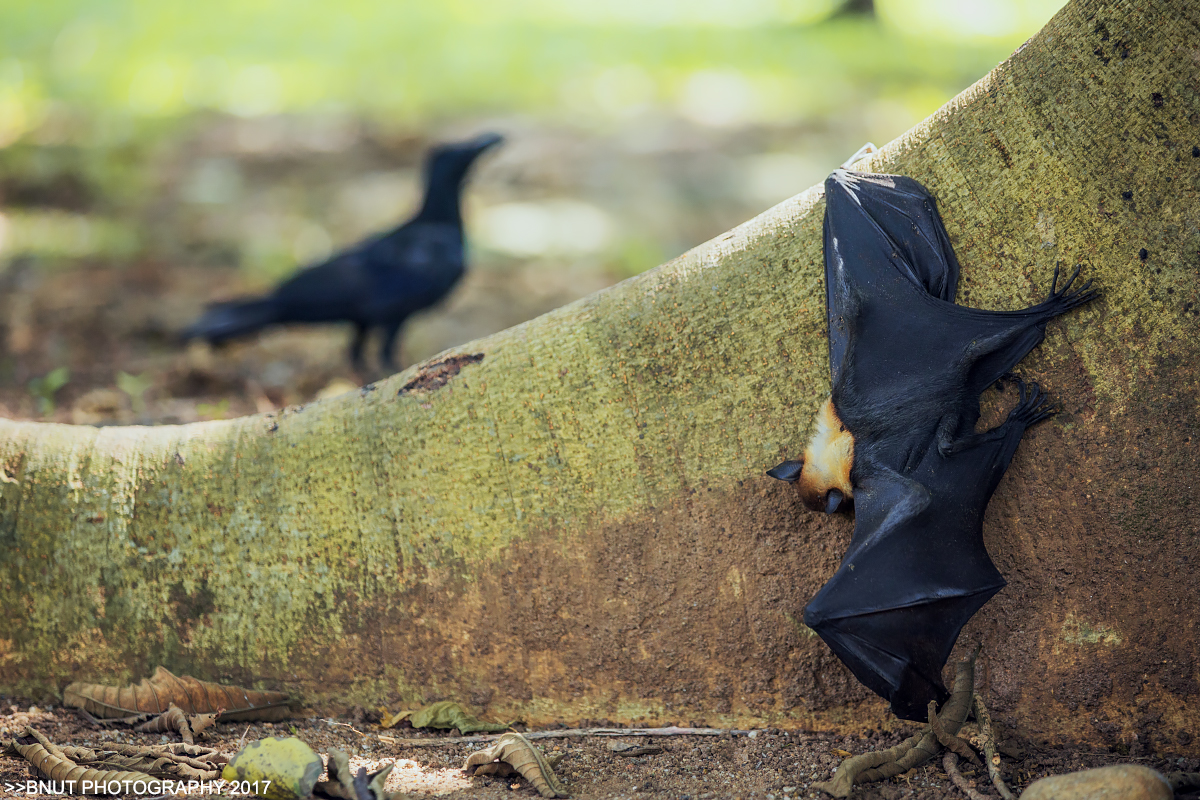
<point>897,437</point>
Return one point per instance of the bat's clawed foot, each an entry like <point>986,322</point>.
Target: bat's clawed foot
<point>1067,298</point>
<point>1033,407</point>
<point>859,154</point>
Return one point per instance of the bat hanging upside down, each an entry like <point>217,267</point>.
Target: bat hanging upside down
<point>896,440</point>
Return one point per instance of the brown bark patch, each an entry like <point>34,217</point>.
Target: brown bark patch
<point>438,374</point>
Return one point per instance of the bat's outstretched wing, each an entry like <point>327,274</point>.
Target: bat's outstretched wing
<point>916,569</point>
<point>888,613</point>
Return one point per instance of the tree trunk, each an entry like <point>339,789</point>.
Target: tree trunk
<point>573,522</point>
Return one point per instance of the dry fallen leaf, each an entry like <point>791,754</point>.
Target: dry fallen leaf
<point>154,696</point>
<point>515,749</point>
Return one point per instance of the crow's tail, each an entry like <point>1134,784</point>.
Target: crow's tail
<point>232,319</point>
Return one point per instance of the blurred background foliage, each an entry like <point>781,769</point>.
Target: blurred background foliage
<point>156,155</point>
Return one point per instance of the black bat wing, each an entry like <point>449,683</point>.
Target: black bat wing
<point>888,227</point>
<point>903,355</point>
<point>917,569</point>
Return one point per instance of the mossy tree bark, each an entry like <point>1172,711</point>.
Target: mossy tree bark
<point>578,525</point>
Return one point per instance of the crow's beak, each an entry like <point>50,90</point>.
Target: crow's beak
<point>787,471</point>
<point>486,140</point>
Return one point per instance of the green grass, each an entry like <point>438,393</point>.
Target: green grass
<point>410,61</point>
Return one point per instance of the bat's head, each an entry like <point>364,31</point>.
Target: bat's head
<point>822,477</point>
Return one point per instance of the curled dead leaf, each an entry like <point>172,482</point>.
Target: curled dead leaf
<point>516,750</point>
<point>159,761</point>
<point>155,696</point>
<point>52,763</point>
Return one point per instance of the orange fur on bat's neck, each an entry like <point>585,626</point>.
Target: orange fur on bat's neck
<point>827,459</point>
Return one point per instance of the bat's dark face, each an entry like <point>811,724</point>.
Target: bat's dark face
<point>823,477</point>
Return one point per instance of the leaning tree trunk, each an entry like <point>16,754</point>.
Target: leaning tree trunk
<point>570,519</point>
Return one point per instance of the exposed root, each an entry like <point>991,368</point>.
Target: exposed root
<point>950,764</point>
<point>914,750</point>
<point>949,740</point>
<point>988,736</point>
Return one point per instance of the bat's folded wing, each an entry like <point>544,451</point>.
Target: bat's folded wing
<point>889,225</point>
<point>884,241</point>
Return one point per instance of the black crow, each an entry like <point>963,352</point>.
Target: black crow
<point>377,283</point>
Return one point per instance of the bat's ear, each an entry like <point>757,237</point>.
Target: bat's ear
<point>833,500</point>
<point>787,471</point>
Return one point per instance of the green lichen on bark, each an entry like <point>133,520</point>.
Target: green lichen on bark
<point>549,528</point>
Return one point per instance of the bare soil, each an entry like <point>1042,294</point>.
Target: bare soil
<point>768,764</point>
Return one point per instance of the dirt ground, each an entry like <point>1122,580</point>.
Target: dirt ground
<point>768,764</point>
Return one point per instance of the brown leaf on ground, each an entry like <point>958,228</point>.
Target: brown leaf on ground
<point>52,763</point>
<point>526,759</point>
<point>155,696</point>
<point>158,761</point>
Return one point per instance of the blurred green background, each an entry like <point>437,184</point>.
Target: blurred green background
<point>155,156</point>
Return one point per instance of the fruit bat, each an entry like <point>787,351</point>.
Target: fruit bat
<point>896,440</point>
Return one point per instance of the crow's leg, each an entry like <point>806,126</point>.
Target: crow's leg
<point>387,351</point>
<point>356,346</point>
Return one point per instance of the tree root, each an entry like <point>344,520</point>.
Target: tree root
<point>948,740</point>
<point>914,750</point>
<point>988,736</point>
<point>950,764</point>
